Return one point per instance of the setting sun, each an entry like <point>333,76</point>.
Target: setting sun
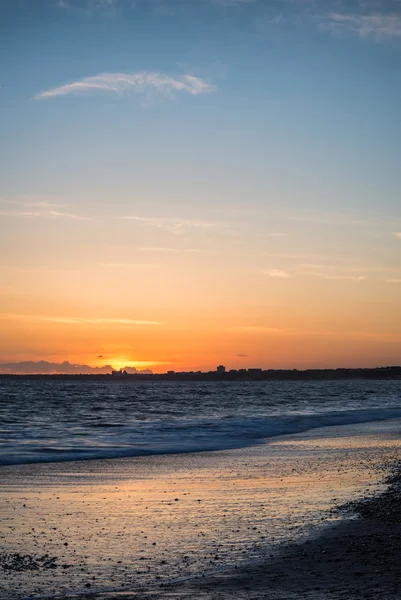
<point>122,363</point>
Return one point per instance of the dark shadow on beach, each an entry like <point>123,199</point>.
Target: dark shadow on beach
<point>356,559</point>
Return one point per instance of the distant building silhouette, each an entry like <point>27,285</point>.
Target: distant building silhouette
<point>119,373</point>
<point>221,369</point>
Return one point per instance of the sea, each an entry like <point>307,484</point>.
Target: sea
<point>53,421</point>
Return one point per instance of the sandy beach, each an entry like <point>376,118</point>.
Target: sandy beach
<point>253,523</point>
<point>349,561</point>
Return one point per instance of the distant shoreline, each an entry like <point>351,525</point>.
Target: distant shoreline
<point>384,373</point>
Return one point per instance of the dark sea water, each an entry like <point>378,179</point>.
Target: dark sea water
<point>59,420</point>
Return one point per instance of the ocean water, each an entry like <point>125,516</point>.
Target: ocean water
<point>52,421</point>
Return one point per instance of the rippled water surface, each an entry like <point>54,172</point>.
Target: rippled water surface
<point>61,420</point>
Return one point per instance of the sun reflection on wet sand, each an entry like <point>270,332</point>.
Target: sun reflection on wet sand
<point>129,523</point>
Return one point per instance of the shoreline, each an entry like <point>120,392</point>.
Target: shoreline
<point>354,559</point>
<point>306,425</point>
<point>385,373</point>
<point>230,485</point>
<point>351,560</point>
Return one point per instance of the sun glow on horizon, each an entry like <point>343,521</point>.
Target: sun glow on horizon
<point>174,217</point>
<point>121,363</point>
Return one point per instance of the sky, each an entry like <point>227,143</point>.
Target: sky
<point>191,183</point>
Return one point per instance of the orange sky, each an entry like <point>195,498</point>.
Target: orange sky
<point>182,188</point>
<point>187,316</point>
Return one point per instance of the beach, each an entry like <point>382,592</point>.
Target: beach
<point>258,522</point>
<point>350,560</point>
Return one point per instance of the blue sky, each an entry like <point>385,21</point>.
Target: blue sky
<point>291,98</point>
<point>257,134</point>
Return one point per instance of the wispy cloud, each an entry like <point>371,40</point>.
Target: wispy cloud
<point>28,268</point>
<point>167,250</point>
<point>377,25</point>
<point>77,320</point>
<point>336,276</point>
<point>31,202</point>
<point>142,82</point>
<point>276,273</point>
<point>121,265</point>
<point>379,19</point>
<point>176,225</point>
<point>233,2</point>
<point>393,280</point>
<point>91,6</point>
<point>338,219</point>
<point>346,270</point>
<point>261,329</point>
<point>42,212</point>
<point>286,255</point>
<point>334,272</point>
<point>160,7</point>
<point>397,234</point>
<point>180,226</point>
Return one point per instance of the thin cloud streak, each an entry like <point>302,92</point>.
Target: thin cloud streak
<point>174,225</point>
<point>332,219</point>
<point>346,270</point>
<point>120,265</point>
<point>260,329</point>
<point>179,226</point>
<point>277,273</point>
<point>339,220</point>
<point>31,203</point>
<point>284,255</point>
<point>41,214</point>
<point>141,82</point>
<point>78,320</point>
<point>24,268</point>
<point>162,250</point>
<point>379,19</point>
<point>297,332</point>
<point>334,276</point>
<point>159,7</point>
<point>376,25</point>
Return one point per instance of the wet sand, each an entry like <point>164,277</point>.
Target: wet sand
<point>358,559</point>
<point>256,523</point>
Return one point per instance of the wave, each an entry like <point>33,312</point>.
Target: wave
<point>180,436</point>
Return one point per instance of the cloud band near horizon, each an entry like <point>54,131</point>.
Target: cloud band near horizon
<point>44,367</point>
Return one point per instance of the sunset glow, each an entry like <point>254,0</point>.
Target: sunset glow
<point>122,363</point>
<point>203,205</point>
